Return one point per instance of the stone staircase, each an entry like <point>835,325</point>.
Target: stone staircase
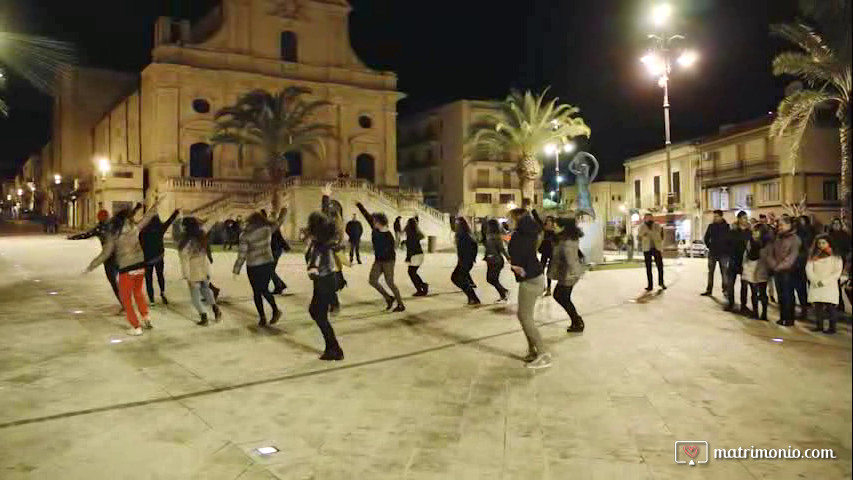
<point>221,199</point>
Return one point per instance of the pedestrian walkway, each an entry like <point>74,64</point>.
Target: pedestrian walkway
<point>437,392</point>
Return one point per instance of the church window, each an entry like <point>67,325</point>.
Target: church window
<point>365,121</point>
<point>201,105</point>
<point>289,44</point>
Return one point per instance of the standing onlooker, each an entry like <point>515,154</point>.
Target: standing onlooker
<point>840,241</point>
<point>823,270</point>
<point>807,234</point>
<point>494,257</point>
<point>566,268</point>
<point>384,257</point>
<point>354,231</point>
<point>651,241</point>
<point>193,251</point>
<point>256,252</point>
<point>152,246</point>
<point>755,269</point>
<point>466,255</point>
<point>415,256</point>
<point>717,239</point>
<point>398,232</point>
<point>783,263</point>
<point>227,228</point>
<point>531,282</point>
<point>741,233</point>
<point>101,230</point>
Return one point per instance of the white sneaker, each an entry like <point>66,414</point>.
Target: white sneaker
<point>134,331</point>
<point>542,361</point>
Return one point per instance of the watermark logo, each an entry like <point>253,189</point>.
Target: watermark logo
<point>691,452</point>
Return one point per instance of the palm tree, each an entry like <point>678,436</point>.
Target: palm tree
<point>278,124</point>
<point>522,126</point>
<point>823,64</point>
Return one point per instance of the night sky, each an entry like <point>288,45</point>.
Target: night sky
<point>443,50</point>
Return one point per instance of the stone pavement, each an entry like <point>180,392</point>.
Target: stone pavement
<point>437,392</point>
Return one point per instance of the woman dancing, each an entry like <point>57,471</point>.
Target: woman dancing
<point>466,255</point>
<point>193,251</point>
<point>255,251</point>
<point>566,268</point>
<point>384,257</point>
<point>322,271</point>
<point>495,254</point>
<point>415,256</point>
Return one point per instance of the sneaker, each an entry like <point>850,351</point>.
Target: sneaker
<point>134,331</point>
<point>503,299</point>
<point>426,289</point>
<point>649,289</point>
<point>530,357</point>
<point>276,316</point>
<point>662,286</point>
<point>217,314</point>
<point>400,308</point>
<point>389,302</point>
<point>420,293</point>
<point>705,294</point>
<point>163,297</point>
<point>541,361</point>
<point>203,322</point>
<point>146,324</point>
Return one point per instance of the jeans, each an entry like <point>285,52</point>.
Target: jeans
<point>493,274</point>
<point>259,279</point>
<point>111,271</point>
<point>130,289</point>
<point>785,290</point>
<point>563,296</point>
<point>197,289</point>
<point>385,269</point>
<point>461,277</point>
<point>801,287</point>
<point>150,268</point>
<point>529,292</point>
<point>730,289</point>
<point>321,300</point>
<point>355,248</point>
<point>277,282</point>
<point>758,292</point>
<point>713,260</point>
<point>653,254</point>
<point>416,279</point>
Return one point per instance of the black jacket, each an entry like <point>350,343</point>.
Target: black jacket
<point>522,248</point>
<point>101,230</point>
<point>278,243</point>
<point>151,237</point>
<point>739,239</point>
<point>384,249</point>
<point>413,245</point>
<point>466,249</point>
<point>718,239</point>
<point>354,230</point>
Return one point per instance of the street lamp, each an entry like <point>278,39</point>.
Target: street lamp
<point>659,61</point>
<point>104,166</point>
<point>57,179</point>
<point>20,192</point>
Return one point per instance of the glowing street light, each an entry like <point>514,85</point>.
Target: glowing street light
<point>661,14</point>
<point>559,179</point>
<point>57,179</point>
<point>687,58</point>
<point>9,197</point>
<point>20,191</point>
<point>550,149</point>
<point>569,147</point>
<point>104,166</point>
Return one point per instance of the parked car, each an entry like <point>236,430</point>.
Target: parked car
<point>695,249</point>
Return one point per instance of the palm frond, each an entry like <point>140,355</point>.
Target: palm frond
<point>806,38</point>
<point>794,116</point>
<point>801,65</point>
<point>4,109</point>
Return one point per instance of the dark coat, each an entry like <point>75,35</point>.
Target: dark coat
<point>718,239</point>
<point>522,248</point>
<point>151,236</point>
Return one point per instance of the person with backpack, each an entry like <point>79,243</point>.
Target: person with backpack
<point>823,270</point>
<point>566,268</point>
<point>152,246</point>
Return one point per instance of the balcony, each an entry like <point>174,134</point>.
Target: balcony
<point>415,138</point>
<point>745,171</point>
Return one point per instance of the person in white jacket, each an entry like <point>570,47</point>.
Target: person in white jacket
<point>823,270</point>
<point>191,238</point>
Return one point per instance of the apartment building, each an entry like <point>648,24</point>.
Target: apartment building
<point>430,157</point>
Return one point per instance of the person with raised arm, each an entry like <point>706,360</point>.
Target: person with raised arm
<point>152,246</point>
<point>256,252</point>
<point>101,230</point>
<point>384,257</point>
<point>191,238</point>
<point>123,242</point>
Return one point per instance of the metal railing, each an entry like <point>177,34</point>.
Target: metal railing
<point>743,170</point>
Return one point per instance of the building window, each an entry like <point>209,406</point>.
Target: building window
<point>120,174</point>
<point>294,163</point>
<point>637,202</point>
<point>364,167</point>
<point>482,178</point>
<point>201,160</point>
<point>201,105</point>
<point>289,47</point>
<point>596,199</point>
<point>676,186</point>
<point>613,198</point>
<point>770,192</point>
<point>364,121</point>
<point>619,198</point>
<point>830,191</point>
<point>507,180</point>
<point>485,198</point>
<point>657,190</point>
<point>507,198</point>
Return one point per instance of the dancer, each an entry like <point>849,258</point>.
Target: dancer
<point>415,256</point>
<point>466,255</point>
<point>823,270</point>
<point>354,231</point>
<point>152,246</point>
<point>334,212</point>
<point>651,240</point>
<point>321,270</point>
<point>546,248</point>
<point>531,282</point>
<point>193,250</point>
<point>756,271</point>
<point>398,232</point>
<point>783,262</point>
<point>123,241</point>
<point>384,257</point>
<point>494,257</point>
<point>278,246</point>
<point>566,268</point>
<point>101,230</point>
<point>256,252</point>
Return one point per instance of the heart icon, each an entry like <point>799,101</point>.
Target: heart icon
<point>691,450</point>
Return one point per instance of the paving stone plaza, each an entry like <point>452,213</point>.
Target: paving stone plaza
<point>436,392</point>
